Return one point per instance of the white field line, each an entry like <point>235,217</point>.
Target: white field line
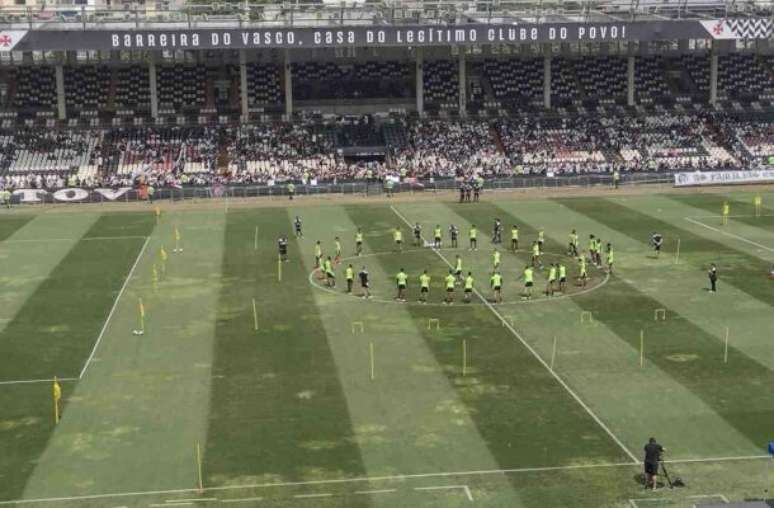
<point>85,238</point>
<point>739,216</point>
<point>196,500</point>
<point>308,496</point>
<point>30,381</point>
<point>556,376</point>
<point>113,308</point>
<point>730,235</point>
<point>464,488</point>
<point>379,491</point>
<point>241,500</point>
<point>367,479</point>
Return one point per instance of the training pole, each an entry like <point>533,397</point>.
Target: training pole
<point>255,242</point>
<point>553,354</point>
<point>464,357</point>
<point>371,353</point>
<point>255,316</point>
<point>642,347</point>
<point>677,254</point>
<point>141,308</point>
<point>725,348</point>
<point>279,268</point>
<point>199,465</point>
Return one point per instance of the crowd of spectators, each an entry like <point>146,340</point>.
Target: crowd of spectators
<point>311,152</point>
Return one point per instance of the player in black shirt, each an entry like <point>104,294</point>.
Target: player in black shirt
<point>363,275</point>
<point>282,245</point>
<point>653,452</point>
<point>497,235</point>
<point>657,241</point>
<point>417,234</point>
<point>453,233</point>
<point>297,225</point>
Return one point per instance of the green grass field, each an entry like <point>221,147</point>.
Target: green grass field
<point>292,414</point>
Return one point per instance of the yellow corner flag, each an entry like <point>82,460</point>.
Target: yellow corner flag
<point>57,392</point>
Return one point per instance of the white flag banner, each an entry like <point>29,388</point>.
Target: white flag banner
<point>723,177</point>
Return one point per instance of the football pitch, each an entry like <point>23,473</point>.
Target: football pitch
<point>256,384</point>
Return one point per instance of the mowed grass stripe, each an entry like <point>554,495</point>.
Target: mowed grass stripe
<point>606,369</point>
<point>10,224</point>
<point>745,232</point>
<point>258,415</point>
<point>53,332</point>
<point>737,390</point>
<point>523,414</point>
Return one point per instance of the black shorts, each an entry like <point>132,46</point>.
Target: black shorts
<point>424,290</point>
<point>658,247</point>
<point>364,285</point>
<point>330,275</point>
<point>528,284</point>
<point>450,290</point>
<point>563,279</point>
<point>399,242</point>
<point>496,288</point>
<point>437,239</point>
<point>468,290</point>
<point>651,468</point>
<point>401,286</point>
<point>359,244</point>
<point>458,273</point>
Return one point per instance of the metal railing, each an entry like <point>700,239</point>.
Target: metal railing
<point>355,188</point>
<point>162,15</point>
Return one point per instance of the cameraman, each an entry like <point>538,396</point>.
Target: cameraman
<point>653,452</point>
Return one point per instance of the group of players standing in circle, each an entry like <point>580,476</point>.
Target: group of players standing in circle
<point>556,273</point>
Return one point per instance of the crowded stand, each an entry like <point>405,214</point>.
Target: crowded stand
<point>670,127</point>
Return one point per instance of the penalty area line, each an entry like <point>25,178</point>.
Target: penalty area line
<point>556,376</point>
<point>730,235</point>
<point>113,308</point>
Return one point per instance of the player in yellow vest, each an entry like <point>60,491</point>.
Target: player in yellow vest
<point>572,249</point>
<point>349,273</point>
<point>562,277</point>
<point>397,236</point>
<point>437,237</point>
<point>424,286</point>
<point>497,283</point>
<point>317,254</point>
<point>358,242</point>
<point>458,268</point>
<point>468,286</point>
<point>541,239</point>
<point>450,283</point>
<point>583,274</point>
<point>401,280</point>
<point>330,276</point>
<point>473,236</point>
<point>758,205</point>
<point>496,259</point>
<point>528,281</point>
<point>514,238</point>
<point>536,254</point>
<point>337,258</point>
<point>551,280</point>
<point>610,257</point>
<point>726,212</point>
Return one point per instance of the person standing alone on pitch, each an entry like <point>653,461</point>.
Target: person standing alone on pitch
<point>712,273</point>
<point>653,452</point>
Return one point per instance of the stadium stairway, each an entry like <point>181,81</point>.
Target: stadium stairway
<point>111,102</point>
<point>496,138</point>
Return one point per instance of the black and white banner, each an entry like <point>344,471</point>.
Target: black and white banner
<point>723,177</point>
